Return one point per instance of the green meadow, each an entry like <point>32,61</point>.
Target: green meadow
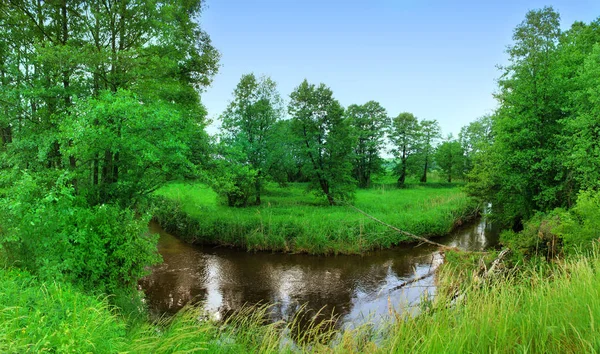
<point>292,220</point>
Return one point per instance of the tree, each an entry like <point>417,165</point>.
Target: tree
<point>404,135</point>
<point>430,132</point>
<point>475,138</point>
<point>369,123</point>
<point>579,65</point>
<point>99,105</point>
<point>449,156</point>
<point>71,51</point>
<point>323,138</point>
<point>249,122</point>
<point>583,129</point>
<point>528,173</point>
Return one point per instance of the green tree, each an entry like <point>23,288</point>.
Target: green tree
<point>249,122</point>
<point>323,138</point>
<point>430,132</point>
<point>404,134</point>
<point>583,128</point>
<point>475,138</point>
<point>99,104</point>
<point>528,173</point>
<point>369,123</point>
<point>449,156</point>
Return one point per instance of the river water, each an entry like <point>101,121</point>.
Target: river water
<point>353,288</point>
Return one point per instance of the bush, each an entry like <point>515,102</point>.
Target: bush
<point>560,231</point>
<point>54,234</point>
<point>582,225</point>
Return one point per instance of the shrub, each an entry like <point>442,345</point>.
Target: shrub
<point>548,234</point>
<point>582,225</point>
<point>53,234</point>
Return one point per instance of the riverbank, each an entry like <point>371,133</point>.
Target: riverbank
<point>290,220</point>
<point>546,308</point>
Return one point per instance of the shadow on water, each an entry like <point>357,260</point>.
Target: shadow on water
<point>352,288</point>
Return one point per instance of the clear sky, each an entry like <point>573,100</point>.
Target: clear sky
<point>436,59</point>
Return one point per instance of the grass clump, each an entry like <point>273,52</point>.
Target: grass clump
<point>51,317</point>
<point>289,219</point>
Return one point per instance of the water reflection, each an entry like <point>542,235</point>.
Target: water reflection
<point>352,287</point>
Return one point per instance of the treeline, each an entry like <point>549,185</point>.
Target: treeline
<point>334,149</point>
<point>99,107</point>
<point>541,167</point>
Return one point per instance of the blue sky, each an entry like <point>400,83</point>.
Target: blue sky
<point>436,59</point>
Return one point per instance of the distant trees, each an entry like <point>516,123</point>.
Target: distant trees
<point>404,135</point>
<point>369,122</point>
<point>429,133</point>
<point>249,124</point>
<point>475,138</point>
<point>323,137</point>
<point>449,156</point>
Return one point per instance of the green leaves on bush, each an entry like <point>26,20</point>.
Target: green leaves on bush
<point>54,234</point>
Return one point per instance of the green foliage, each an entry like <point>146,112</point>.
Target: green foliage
<point>559,231</point>
<point>249,124</point>
<point>580,227</point>
<point>369,123</point>
<point>54,234</point>
<point>131,147</point>
<point>476,138</point>
<point>323,137</point>
<point>405,133</point>
<point>523,170</point>
<point>429,134</point>
<point>449,156</point>
<point>290,220</point>
<point>538,238</point>
<point>531,312</point>
<point>233,182</point>
<point>99,106</point>
<point>583,130</point>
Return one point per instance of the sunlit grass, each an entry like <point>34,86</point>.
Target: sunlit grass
<point>290,219</point>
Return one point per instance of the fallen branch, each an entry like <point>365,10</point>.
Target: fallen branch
<point>435,263</point>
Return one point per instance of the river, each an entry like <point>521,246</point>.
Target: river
<point>353,288</point>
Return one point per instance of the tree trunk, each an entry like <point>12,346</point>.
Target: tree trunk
<point>424,177</point>
<point>402,177</point>
<point>6,135</point>
<point>257,188</point>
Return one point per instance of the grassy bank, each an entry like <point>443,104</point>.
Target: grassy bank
<point>291,220</point>
<point>544,309</point>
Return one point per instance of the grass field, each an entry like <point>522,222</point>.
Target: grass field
<point>292,220</point>
<point>544,309</point>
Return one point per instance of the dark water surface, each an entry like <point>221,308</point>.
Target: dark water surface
<point>352,287</point>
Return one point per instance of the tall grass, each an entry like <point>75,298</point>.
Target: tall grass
<point>546,309</point>
<point>291,220</point>
<point>52,317</point>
